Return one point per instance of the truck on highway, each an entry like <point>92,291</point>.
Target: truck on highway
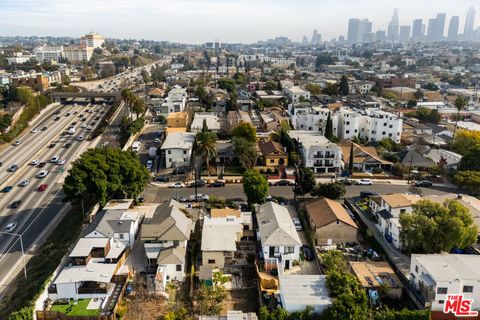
<point>152,152</point>
<point>136,146</point>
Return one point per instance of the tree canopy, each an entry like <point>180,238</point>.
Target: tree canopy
<point>255,186</point>
<point>226,84</point>
<point>306,181</point>
<point>434,227</point>
<point>470,161</point>
<point>105,174</point>
<point>465,141</point>
<point>246,152</point>
<point>468,181</point>
<point>331,190</point>
<point>344,88</point>
<point>246,131</point>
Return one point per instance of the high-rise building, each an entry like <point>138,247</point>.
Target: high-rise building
<point>304,41</point>
<point>469,23</point>
<point>357,28</point>
<point>436,27</point>
<point>92,40</point>
<point>316,38</point>
<point>380,35</point>
<point>417,33</point>
<point>404,34</point>
<point>453,28</point>
<point>393,26</point>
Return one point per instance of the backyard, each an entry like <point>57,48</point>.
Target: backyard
<point>78,309</point>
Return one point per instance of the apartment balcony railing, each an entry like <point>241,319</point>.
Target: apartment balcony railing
<point>329,156</point>
<point>316,156</point>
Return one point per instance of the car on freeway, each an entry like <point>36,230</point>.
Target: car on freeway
<point>34,130</point>
<point>83,119</point>
<point>298,224</point>
<point>364,182</point>
<point>83,126</point>
<point>424,183</point>
<point>15,204</point>
<point>56,118</point>
<point>80,116</point>
<point>44,129</point>
<point>10,227</point>
<point>51,145</point>
<point>80,138</point>
<point>97,118</point>
<point>217,184</point>
<point>57,112</point>
<point>17,142</point>
<point>42,174</point>
<point>75,113</point>
<point>307,252</point>
<point>35,162</point>
<point>68,114</point>
<point>54,159</point>
<point>93,123</point>
<point>42,187</point>
<point>42,164</point>
<point>67,145</point>
<point>88,128</point>
<point>12,168</point>
<point>24,183</point>
<point>197,183</point>
<point>73,124</point>
<point>61,162</point>
<point>7,189</point>
<point>177,185</point>
<point>1,163</point>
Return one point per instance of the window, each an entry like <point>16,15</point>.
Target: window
<point>176,242</point>
<point>179,267</point>
<point>347,132</point>
<point>211,261</point>
<point>441,290</point>
<point>383,133</point>
<point>441,301</point>
<point>468,289</point>
<point>288,250</point>
<point>184,151</point>
<point>402,211</point>
<point>121,235</point>
<point>348,123</point>
<point>272,161</point>
<point>169,151</point>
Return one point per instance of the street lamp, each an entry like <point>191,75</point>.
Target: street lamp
<point>21,246</point>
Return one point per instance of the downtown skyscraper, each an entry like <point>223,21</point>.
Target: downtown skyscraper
<point>393,26</point>
<point>469,23</point>
<point>453,28</point>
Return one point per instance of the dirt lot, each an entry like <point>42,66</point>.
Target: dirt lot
<point>245,300</point>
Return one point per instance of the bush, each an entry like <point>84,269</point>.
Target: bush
<point>377,170</point>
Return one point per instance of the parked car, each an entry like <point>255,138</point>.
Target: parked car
<point>67,145</point>
<point>51,145</point>
<point>61,162</point>
<point>346,181</point>
<point>198,184</point>
<point>10,227</point>
<point>42,187</point>
<point>200,197</point>
<point>15,204</point>
<point>298,224</point>
<point>149,165</point>
<point>180,199</point>
<point>178,185</point>
<point>365,194</point>
<point>364,182</point>
<point>34,130</point>
<point>424,183</point>
<point>285,183</point>
<point>217,184</point>
<point>307,252</point>
<point>161,179</point>
<point>35,162</point>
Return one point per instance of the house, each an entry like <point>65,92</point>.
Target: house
<point>417,161</point>
<point>364,158</point>
<point>445,159</point>
<point>175,101</point>
<point>433,277</point>
<point>225,152</point>
<point>271,120</point>
<point>178,120</point>
<point>330,222</point>
<point>221,233</point>
<point>387,209</point>
<point>177,149</point>
<point>377,275</point>
<point>165,235</point>
<point>212,120</point>
<point>317,151</point>
<point>278,237</point>
<point>297,292</point>
<point>296,94</point>
<point>234,118</point>
<point>273,153</point>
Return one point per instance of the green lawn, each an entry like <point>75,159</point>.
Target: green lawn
<point>79,309</point>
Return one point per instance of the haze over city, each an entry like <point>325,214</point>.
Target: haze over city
<point>198,21</point>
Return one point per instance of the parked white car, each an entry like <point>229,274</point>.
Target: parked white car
<point>364,182</point>
<point>178,185</point>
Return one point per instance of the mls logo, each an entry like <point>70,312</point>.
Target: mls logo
<point>459,306</point>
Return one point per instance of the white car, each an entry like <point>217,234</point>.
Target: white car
<point>364,182</point>
<point>178,185</point>
<point>54,159</point>
<point>24,183</point>
<point>35,162</point>
<point>83,126</point>
<point>157,140</point>
<point>80,138</point>
<point>298,224</point>
<point>61,162</point>
<point>17,143</point>
<point>34,130</point>
<point>10,227</point>
<point>42,174</point>
<point>88,128</point>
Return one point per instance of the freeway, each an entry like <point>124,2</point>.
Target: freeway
<point>38,208</point>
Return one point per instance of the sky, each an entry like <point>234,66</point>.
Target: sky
<point>199,21</point>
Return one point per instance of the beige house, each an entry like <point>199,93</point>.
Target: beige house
<point>330,222</point>
<point>378,274</point>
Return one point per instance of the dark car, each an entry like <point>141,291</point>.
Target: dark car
<point>56,118</point>
<point>161,179</point>
<point>73,123</point>
<point>42,164</point>
<point>57,112</point>
<point>307,253</point>
<point>15,204</point>
<point>97,118</point>
<point>83,119</point>
<point>51,145</point>
<point>67,145</point>
<point>284,183</point>
<point>198,184</point>
<point>217,184</point>
<point>44,129</point>
<point>12,168</point>
<point>365,194</point>
<point>42,187</point>
<point>424,184</point>
<point>7,189</point>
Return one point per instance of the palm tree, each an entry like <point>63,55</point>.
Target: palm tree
<point>205,146</point>
<point>460,103</point>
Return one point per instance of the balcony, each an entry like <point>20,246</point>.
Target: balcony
<point>328,164</point>
<point>316,156</point>
<point>318,164</point>
<point>330,156</point>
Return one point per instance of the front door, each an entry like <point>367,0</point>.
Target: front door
<point>287,264</point>
<point>272,251</point>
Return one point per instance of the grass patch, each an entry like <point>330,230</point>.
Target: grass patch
<point>42,264</point>
<point>79,309</point>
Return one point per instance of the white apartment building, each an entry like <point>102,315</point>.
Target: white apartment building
<point>312,118</point>
<point>177,149</point>
<point>19,58</point>
<point>92,40</point>
<point>80,53</point>
<point>317,151</point>
<point>295,94</point>
<point>435,276</point>
<point>48,53</point>
<point>176,101</point>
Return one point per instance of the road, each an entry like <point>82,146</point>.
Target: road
<point>37,208</point>
<point>235,191</point>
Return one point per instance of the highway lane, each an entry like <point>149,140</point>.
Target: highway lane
<point>31,198</point>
